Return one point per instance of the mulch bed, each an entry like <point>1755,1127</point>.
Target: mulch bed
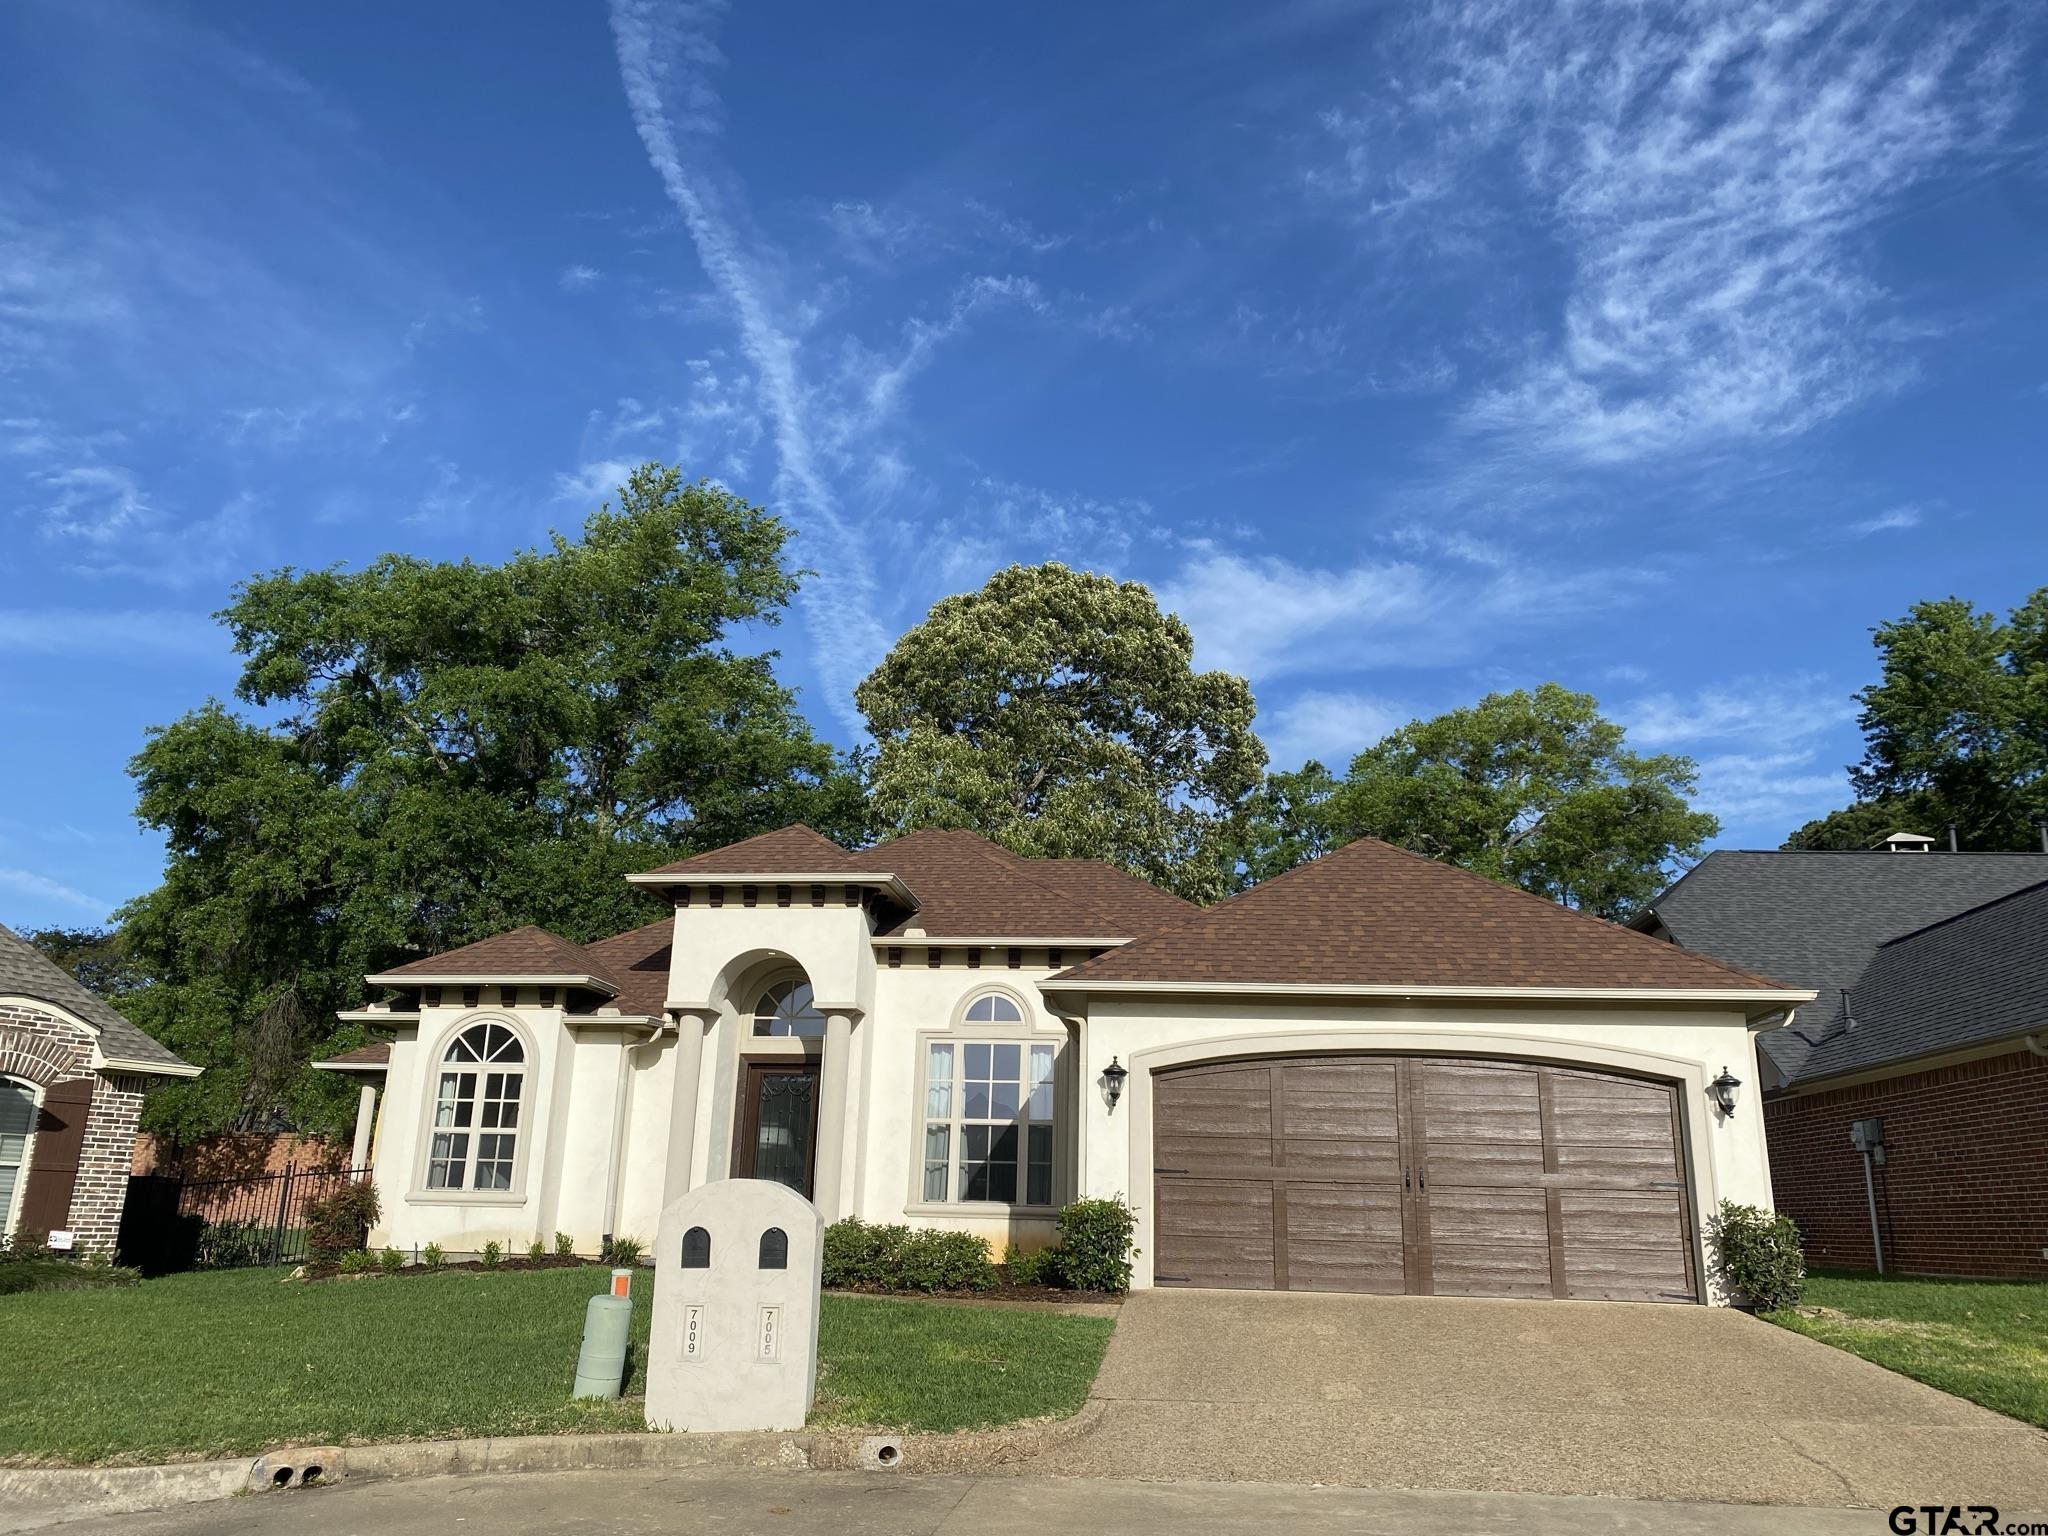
<point>1003,1292</point>
<point>502,1267</point>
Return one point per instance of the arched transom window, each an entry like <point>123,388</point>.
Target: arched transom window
<point>787,1008</point>
<point>990,1107</point>
<point>476,1110</point>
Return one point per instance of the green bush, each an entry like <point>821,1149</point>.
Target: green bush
<point>864,1257</point>
<point>433,1256</point>
<point>493,1254</point>
<point>622,1252</point>
<point>565,1246</point>
<point>24,1271</point>
<point>1037,1266</point>
<point>536,1251</point>
<point>233,1245</point>
<point>356,1261</point>
<point>1095,1245</point>
<point>337,1222</point>
<point>391,1261</point>
<point>1758,1254</point>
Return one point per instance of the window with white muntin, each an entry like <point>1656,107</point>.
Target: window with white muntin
<point>476,1110</point>
<point>989,1110</point>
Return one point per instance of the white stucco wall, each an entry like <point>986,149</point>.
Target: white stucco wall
<point>1726,1154</point>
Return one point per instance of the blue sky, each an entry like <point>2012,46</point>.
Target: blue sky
<point>1408,351</point>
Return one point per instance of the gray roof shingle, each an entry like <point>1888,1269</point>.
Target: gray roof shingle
<point>26,971</point>
<point>1821,919</point>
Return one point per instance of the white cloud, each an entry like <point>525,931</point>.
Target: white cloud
<point>591,484</point>
<point>132,632</point>
<point>1710,172</point>
<point>1332,727</point>
<point>28,883</point>
<point>1898,519</point>
<point>1759,743</point>
<point>666,56</point>
<point>878,237</point>
<point>575,279</point>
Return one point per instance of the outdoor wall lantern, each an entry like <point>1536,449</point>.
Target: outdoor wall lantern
<point>1113,1077</point>
<point>1723,1088</point>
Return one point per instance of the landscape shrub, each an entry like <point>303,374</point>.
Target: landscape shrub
<point>21,1272</point>
<point>1758,1253</point>
<point>433,1256</point>
<point>337,1222</point>
<point>1037,1266</point>
<point>536,1251</point>
<point>356,1261</point>
<point>622,1252</point>
<point>493,1254</point>
<point>880,1257</point>
<point>233,1245</point>
<point>1095,1245</point>
<point>391,1261</point>
<point>565,1246</point>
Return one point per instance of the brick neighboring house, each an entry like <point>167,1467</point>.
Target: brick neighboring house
<point>1932,970</point>
<point>72,1075</point>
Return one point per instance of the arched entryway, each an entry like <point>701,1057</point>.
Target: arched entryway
<point>775,1121</point>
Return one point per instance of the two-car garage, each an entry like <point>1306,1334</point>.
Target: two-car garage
<point>1423,1174</point>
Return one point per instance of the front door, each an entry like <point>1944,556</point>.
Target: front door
<point>777,1130</point>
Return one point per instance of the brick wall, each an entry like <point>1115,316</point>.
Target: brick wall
<point>42,1048</point>
<point>1964,1189</point>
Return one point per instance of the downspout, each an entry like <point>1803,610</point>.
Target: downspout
<point>622,1106</point>
<point>2038,1043</point>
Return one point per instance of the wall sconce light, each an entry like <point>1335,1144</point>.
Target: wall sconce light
<point>1113,1077</point>
<point>1723,1088</point>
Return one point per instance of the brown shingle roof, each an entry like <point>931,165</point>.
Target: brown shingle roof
<point>794,849</point>
<point>375,1054</point>
<point>1373,915</point>
<point>969,887</point>
<point>638,960</point>
<point>525,951</point>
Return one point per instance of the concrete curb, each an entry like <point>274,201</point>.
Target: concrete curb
<point>34,1498</point>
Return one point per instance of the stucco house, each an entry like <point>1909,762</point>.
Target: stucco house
<point>1907,1108</point>
<point>72,1076</point>
<point>1372,1073</point>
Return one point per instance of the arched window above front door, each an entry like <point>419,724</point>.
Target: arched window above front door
<point>787,1008</point>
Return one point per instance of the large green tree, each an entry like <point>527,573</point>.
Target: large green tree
<point>1955,730</point>
<point>1059,713</point>
<point>1531,788</point>
<point>438,751</point>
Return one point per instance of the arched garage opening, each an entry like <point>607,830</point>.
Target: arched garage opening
<point>1430,1175</point>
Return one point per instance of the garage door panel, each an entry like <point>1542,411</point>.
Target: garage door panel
<point>1629,1166</point>
<point>1641,1221</point>
<point>1212,1233</point>
<point>1373,1161</point>
<point>1344,1237</point>
<point>1497,1269</point>
<point>1506,1162</point>
<point>1627,1274</point>
<point>1488,1216</point>
<point>1474,1120</point>
<point>1213,1154</point>
<point>1340,1099</point>
<point>1234,1103</point>
<point>1621,1124</point>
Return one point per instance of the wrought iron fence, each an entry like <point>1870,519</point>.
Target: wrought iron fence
<point>240,1222</point>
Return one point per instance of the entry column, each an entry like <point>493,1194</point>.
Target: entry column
<point>682,1107</point>
<point>834,1180</point>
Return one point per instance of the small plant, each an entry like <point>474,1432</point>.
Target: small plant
<point>622,1252</point>
<point>1758,1254</point>
<point>356,1261</point>
<point>493,1254</point>
<point>391,1261</point>
<point>565,1246</point>
<point>1095,1245</point>
<point>337,1222</point>
<point>536,1251</point>
<point>232,1245</point>
<point>433,1257</point>
<point>859,1256</point>
<point>1033,1266</point>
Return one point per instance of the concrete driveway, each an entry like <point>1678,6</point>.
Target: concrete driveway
<point>1599,1398</point>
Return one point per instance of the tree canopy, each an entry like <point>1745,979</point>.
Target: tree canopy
<point>440,751</point>
<point>1059,713</point>
<point>1955,731</point>
<point>1531,788</point>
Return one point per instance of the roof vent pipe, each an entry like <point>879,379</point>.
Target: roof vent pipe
<point>1952,837</point>
<point>2042,828</point>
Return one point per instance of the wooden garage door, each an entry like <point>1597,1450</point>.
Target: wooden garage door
<point>1430,1175</point>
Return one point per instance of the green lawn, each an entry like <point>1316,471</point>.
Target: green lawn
<point>1984,1340</point>
<point>228,1363</point>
